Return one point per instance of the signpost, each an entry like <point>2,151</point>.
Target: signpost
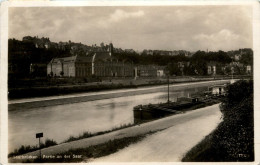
<point>39,135</point>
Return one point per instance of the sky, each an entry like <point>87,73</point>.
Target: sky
<point>189,28</point>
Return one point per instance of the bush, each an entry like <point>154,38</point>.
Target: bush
<point>238,94</point>
<point>50,142</point>
<point>25,149</point>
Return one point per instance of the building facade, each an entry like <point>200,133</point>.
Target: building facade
<point>101,64</point>
<point>106,65</point>
<point>74,66</point>
<point>212,68</point>
<point>146,71</point>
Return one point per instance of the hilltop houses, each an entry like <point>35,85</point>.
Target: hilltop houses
<point>169,53</point>
<point>70,59</point>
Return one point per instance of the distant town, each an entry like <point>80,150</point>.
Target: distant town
<point>40,57</point>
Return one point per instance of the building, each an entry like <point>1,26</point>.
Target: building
<point>145,71</point>
<point>248,69</point>
<point>101,63</point>
<point>161,71</point>
<point>106,65</point>
<point>74,66</point>
<point>211,68</point>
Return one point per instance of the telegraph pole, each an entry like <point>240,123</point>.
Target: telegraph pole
<point>168,90</point>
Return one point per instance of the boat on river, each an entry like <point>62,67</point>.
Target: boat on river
<point>143,113</point>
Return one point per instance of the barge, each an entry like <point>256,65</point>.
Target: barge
<point>144,113</point>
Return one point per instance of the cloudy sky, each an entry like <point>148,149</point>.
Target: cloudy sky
<point>166,28</point>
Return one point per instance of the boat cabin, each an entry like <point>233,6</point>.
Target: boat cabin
<point>218,90</point>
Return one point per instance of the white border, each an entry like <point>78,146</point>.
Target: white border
<point>3,84</point>
<point>256,48</point>
<point>4,58</point>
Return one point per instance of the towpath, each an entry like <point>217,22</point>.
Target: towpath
<point>169,145</point>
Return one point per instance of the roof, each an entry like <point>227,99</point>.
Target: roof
<point>72,59</point>
<point>83,58</point>
<point>102,56</point>
<point>219,86</point>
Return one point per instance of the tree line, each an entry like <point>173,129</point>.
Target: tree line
<point>23,53</point>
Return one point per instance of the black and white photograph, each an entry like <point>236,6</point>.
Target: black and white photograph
<point>130,83</point>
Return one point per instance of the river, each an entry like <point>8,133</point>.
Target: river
<point>59,122</point>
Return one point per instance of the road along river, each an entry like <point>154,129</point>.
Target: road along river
<point>100,113</point>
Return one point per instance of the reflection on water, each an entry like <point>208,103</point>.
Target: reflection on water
<point>61,121</point>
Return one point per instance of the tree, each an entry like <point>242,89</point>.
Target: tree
<point>247,59</point>
<point>174,69</point>
<point>61,73</point>
<point>227,70</point>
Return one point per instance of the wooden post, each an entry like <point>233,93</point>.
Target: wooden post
<point>40,147</point>
<point>39,135</point>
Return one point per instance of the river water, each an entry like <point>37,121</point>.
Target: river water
<point>59,122</point>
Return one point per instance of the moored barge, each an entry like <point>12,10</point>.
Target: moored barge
<point>143,113</point>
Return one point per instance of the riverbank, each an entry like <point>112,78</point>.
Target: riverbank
<point>90,96</point>
<point>127,132</point>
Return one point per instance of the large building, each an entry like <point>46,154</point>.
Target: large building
<point>74,66</point>
<point>102,64</point>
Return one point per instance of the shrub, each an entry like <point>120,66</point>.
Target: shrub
<point>25,149</point>
<point>50,142</point>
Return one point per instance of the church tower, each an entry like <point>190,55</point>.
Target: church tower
<point>111,49</point>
